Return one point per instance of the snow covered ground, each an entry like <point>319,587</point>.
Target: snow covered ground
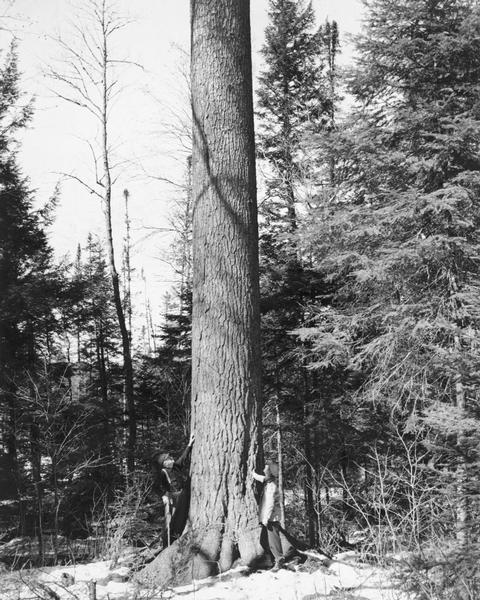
<point>342,580</point>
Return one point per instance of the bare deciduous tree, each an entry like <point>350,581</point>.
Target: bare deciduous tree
<point>87,76</point>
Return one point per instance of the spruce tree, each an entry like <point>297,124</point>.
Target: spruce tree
<point>164,381</point>
<point>296,97</point>
<point>401,248</point>
<point>101,347</point>
<point>292,97</point>
<point>30,288</point>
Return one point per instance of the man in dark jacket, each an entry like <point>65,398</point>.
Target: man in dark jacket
<point>172,483</point>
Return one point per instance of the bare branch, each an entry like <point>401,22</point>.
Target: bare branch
<point>126,62</point>
<point>94,53</point>
<point>79,180</point>
<point>160,229</point>
<point>70,50</point>
<point>180,186</point>
<point>76,102</point>
<point>84,99</point>
<point>95,160</point>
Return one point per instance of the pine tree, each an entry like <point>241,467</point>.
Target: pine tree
<point>225,319</point>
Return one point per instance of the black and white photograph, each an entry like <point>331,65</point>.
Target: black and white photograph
<point>239,300</point>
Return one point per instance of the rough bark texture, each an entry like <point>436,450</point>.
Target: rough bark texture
<point>226,325</point>
<point>226,322</point>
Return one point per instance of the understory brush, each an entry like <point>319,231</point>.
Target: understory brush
<point>442,569</point>
<point>123,522</point>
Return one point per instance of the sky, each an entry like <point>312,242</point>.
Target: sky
<point>153,99</point>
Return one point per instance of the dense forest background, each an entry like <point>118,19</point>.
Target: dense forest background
<point>370,306</point>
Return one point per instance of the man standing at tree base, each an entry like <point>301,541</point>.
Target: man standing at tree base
<point>172,483</point>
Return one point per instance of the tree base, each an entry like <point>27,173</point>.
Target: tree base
<point>186,560</point>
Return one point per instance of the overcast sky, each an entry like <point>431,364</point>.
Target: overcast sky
<point>55,141</point>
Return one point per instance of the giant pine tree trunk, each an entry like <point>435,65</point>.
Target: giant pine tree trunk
<point>226,322</point>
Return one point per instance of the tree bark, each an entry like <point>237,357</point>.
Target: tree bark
<point>226,322</point>
<point>127,275</point>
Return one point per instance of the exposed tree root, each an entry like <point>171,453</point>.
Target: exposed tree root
<point>188,559</point>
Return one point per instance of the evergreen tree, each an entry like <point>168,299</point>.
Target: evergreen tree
<point>164,378</point>
<point>296,97</point>
<point>225,316</point>
<point>292,98</point>
<point>164,382</point>
<point>28,283</point>
<point>225,319</point>
<point>401,249</point>
<point>87,79</point>
<point>24,252</point>
<point>100,346</point>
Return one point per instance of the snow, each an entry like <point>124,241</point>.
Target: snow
<point>361,581</point>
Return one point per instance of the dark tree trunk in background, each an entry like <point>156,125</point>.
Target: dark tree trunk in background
<point>89,80</point>
<point>103,376</point>
<point>308,482</point>
<point>126,350</point>
<point>11,445</point>
<point>35,444</point>
<point>37,486</point>
<point>281,486</point>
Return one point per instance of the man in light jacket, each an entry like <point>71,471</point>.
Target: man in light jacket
<point>269,515</point>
